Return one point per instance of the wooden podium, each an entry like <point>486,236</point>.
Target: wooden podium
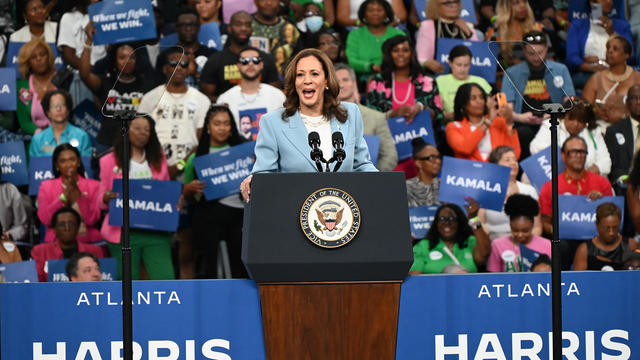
<point>328,303</point>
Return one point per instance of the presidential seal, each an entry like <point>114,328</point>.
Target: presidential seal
<point>330,218</point>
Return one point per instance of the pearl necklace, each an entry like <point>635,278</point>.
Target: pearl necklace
<point>393,90</point>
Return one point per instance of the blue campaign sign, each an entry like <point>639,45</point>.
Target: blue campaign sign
<point>578,215</point>
<point>22,272</point>
<point>579,9</point>
<point>214,319</point>
<point>14,163</point>
<point>209,35</point>
<point>8,97</point>
<point>538,167</point>
<point>223,171</point>
<point>153,204</point>
<point>57,269</point>
<point>482,63</point>
<point>420,218</point>
<point>13,50</point>
<point>373,143</point>
<point>119,21</point>
<point>467,13</point>
<point>485,182</point>
<point>87,117</point>
<point>40,170</point>
<point>403,133</point>
<point>508,316</point>
<point>169,40</point>
<point>250,122</point>
<point>528,257</point>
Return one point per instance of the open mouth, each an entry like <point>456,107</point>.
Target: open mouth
<point>308,93</point>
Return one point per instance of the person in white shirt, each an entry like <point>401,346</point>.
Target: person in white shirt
<point>36,27</point>
<point>251,97</point>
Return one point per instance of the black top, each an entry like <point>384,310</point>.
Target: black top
<point>615,255</point>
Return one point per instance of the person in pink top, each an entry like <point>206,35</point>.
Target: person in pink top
<point>507,253</point>
<point>70,188</point>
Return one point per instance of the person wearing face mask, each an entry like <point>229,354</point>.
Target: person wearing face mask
<point>310,27</point>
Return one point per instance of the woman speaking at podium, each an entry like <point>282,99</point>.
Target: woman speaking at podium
<point>311,106</point>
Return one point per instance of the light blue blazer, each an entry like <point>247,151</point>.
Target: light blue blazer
<point>283,146</point>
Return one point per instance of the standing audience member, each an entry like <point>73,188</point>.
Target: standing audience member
<point>480,125</point>
<point>58,105</point>
<point>513,19</point>
<point>66,223</point>
<point>506,254</point>
<point>37,26</point>
<point>71,189</point>
<point>178,111</point>
<point>374,121</point>
<point>13,216</point>
<point>209,11</point>
<point>83,266</point>
<point>422,190</point>
<point>251,94</point>
<point>147,162</point>
<point>605,251</point>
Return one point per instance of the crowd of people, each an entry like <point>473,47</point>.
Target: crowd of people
<point>194,98</point>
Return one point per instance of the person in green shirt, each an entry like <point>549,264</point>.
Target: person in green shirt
<point>452,239</point>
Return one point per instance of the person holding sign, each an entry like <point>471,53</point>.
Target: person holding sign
<point>422,190</point>
<point>480,125</point>
<point>606,250</point>
<point>452,239</point>
<point>36,24</point>
<point>506,255</point>
<point>311,105</point>
<point>219,219</point>
<point>443,21</point>
<point>147,162</point>
<point>69,188</point>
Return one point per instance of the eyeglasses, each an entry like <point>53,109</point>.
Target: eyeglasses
<point>430,158</point>
<point>534,38</point>
<point>246,60</point>
<point>66,225</point>
<point>187,25</point>
<point>57,106</point>
<point>448,219</point>
<point>174,63</point>
<point>450,3</point>
<point>575,152</point>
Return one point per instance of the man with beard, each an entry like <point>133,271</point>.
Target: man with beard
<point>221,71</point>
<point>251,96</point>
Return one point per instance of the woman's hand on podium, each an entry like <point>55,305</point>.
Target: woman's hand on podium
<point>245,188</point>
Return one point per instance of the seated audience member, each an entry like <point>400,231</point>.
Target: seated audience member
<point>480,125</point>
<point>36,24</point>
<point>251,94</point>
<point>621,139</point>
<point>633,193</point>
<point>443,21</point>
<point>452,240</point>
<point>83,266</point>
<point>575,179</point>
<point>147,162</point>
<point>348,12</point>
<point>607,88</point>
<point>66,223</point>
<point>58,106</point>
<point>71,189</point>
<point>36,66</point>
<point>363,44</point>
<point>540,82</point>
<point>374,121</point>
<point>219,219</point>
<point>580,121</point>
<point>460,63</point>
<point>220,73</point>
<point>631,260</point>
<point>13,216</point>
<point>9,252</point>
<point>586,52</point>
<point>498,222</point>
<point>542,264</point>
<point>329,43</point>
<point>505,251</point>
<point>605,250</point>
<point>119,88</point>
<point>422,190</point>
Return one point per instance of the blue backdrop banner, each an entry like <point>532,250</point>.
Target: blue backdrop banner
<point>482,63</point>
<point>420,218</point>
<point>22,271</point>
<point>578,215</point>
<point>119,21</point>
<point>538,167</point>
<point>14,163</point>
<point>403,133</point>
<point>223,171</point>
<point>152,204</point>
<point>373,143</point>
<point>57,269</point>
<point>8,94</point>
<point>216,319</point>
<point>485,182</point>
<point>14,48</point>
<point>40,170</point>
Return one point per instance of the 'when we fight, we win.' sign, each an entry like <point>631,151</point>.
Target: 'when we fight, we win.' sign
<point>223,171</point>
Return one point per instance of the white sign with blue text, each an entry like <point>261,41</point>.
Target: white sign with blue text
<point>40,169</point>
<point>119,21</point>
<point>421,218</point>
<point>538,167</point>
<point>8,97</point>
<point>153,204</point>
<point>14,163</point>
<point>482,63</point>
<point>578,215</point>
<point>486,183</point>
<point>223,171</point>
<point>403,133</point>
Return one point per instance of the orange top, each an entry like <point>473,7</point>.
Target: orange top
<point>464,142</point>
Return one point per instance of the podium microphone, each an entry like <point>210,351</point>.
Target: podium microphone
<point>316,153</point>
<point>338,154</point>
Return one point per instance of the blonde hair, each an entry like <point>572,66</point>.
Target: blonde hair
<point>504,24</point>
<point>431,9</point>
<point>27,51</point>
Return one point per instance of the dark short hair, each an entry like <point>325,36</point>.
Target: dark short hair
<point>542,259</point>
<point>72,265</point>
<point>418,144</point>
<point>518,205</point>
<point>572,137</point>
<point>458,51</point>
<point>46,100</point>
<point>626,45</point>
<point>56,153</point>
<point>247,48</point>
<point>64,210</point>
<point>387,10</point>
<point>188,11</point>
<point>607,209</point>
<point>463,96</point>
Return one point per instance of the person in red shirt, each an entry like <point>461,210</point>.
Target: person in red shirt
<point>576,180</point>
